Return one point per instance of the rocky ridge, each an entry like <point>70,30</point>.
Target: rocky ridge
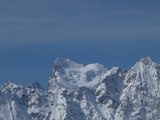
<point>87,92</point>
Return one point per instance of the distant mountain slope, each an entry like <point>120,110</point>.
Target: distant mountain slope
<point>87,92</point>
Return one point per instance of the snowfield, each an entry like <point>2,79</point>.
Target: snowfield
<point>87,92</point>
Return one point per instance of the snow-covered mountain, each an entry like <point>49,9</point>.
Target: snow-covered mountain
<point>87,92</point>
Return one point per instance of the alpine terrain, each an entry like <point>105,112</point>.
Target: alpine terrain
<point>87,92</point>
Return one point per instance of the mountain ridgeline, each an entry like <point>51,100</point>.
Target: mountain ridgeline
<point>87,92</point>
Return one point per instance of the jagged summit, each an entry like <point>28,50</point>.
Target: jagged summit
<point>10,85</point>
<point>61,63</point>
<point>71,74</point>
<point>147,60</point>
<point>87,92</point>
<point>145,64</point>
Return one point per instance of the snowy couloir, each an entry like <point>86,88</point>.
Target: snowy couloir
<point>87,92</point>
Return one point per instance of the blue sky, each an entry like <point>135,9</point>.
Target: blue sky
<point>34,33</point>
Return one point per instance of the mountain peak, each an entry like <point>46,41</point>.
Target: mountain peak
<point>87,92</point>
<point>9,84</point>
<point>58,59</point>
<point>59,62</point>
<point>146,60</point>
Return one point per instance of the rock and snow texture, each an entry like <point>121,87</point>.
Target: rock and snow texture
<point>87,92</point>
